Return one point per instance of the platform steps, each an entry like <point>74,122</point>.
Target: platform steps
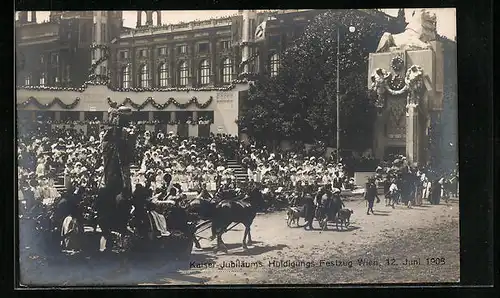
<point>239,172</point>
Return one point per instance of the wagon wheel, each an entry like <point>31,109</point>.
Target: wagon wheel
<point>198,229</point>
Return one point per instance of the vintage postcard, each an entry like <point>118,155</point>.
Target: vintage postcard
<point>237,147</point>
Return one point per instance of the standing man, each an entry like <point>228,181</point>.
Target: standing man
<point>370,195</point>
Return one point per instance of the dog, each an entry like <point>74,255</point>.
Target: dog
<point>343,217</point>
<point>293,214</point>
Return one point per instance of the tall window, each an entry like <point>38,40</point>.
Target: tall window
<point>42,79</point>
<point>274,65</point>
<point>204,72</point>
<point>227,70</point>
<point>183,73</point>
<point>125,77</point>
<point>144,76</point>
<point>27,80</point>
<point>163,74</point>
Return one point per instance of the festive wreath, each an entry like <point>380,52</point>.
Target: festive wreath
<point>102,79</point>
<point>56,100</point>
<point>162,106</point>
<point>396,83</point>
<point>397,63</point>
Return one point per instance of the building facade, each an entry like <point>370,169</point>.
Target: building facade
<point>156,69</point>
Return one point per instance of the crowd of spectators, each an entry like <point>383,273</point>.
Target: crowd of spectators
<point>71,156</point>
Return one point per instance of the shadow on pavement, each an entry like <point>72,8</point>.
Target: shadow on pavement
<point>258,250</point>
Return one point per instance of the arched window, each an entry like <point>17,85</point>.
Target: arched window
<point>42,79</point>
<point>29,16</point>
<point>155,18</point>
<point>163,75</point>
<point>144,18</point>
<point>204,72</point>
<point>183,73</point>
<point>274,65</point>
<point>144,76</point>
<point>27,80</point>
<point>227,70</point>
<point>125,76</point>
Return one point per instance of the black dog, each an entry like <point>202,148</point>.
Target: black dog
<point>343,217</point>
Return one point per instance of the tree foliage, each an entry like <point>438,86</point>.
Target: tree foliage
<point>300,103</point>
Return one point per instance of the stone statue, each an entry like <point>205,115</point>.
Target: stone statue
<point>418,33</point>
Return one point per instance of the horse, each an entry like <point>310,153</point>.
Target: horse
<point>204,208</point>
<point>236,211</point>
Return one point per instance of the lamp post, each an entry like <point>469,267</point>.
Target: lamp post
<point>351,29</point>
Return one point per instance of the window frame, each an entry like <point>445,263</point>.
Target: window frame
<point>163,75</point>
<point>43,79</point>
<point>144,77</point>
<point>274,64</point>
<point>125,79</point>
<point>162,51</point>
<point>181,70</point>
<point>227,78</point>
<point>180,51</point>
<point>204,72</point>
<point>27,80</point>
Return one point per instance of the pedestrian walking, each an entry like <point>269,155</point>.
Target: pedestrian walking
<point>370,195</point>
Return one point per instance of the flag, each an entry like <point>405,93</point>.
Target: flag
<point>260,32</point>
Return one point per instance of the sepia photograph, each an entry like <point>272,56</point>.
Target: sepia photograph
<point>237,147</point>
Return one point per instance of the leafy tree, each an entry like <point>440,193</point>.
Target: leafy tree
<point>300,103</point>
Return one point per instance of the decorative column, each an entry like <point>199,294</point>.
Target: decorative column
<point>81,116</point>
<point>57,116</point>
<point>412,134</point>
<point>99,38</point>
<point>246,37</point>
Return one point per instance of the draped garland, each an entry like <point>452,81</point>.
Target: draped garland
<point>162,106</point>
<point>56,100</point>
<point>102,79</point>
